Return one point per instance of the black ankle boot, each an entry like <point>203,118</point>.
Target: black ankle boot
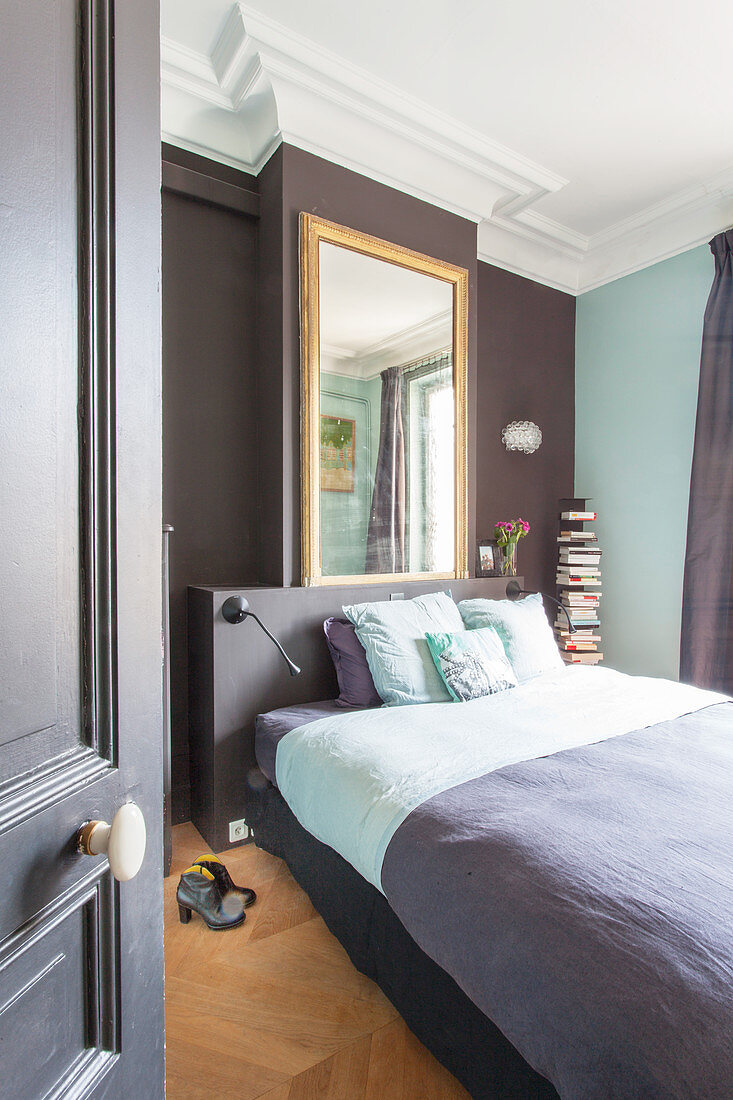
<point>198,891</point>
<point>214,865</point>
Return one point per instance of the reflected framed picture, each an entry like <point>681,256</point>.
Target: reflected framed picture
<point>337,454</point>
<point>488,558</point>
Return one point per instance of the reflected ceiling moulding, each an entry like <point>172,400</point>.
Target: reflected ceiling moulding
<point>263,84</point>
<point>429,337</point>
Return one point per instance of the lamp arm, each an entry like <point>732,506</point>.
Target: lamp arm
<point>572,629</point>
<point>294,670</point>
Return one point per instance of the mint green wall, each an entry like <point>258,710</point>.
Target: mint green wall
<point>345,516</point>
<point>636,373</point>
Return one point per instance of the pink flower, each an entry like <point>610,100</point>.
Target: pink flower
<point>509,531</point>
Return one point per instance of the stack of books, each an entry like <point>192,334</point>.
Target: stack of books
<point>578,584</point>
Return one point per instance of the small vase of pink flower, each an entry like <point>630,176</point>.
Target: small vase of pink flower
<point>507,534</point>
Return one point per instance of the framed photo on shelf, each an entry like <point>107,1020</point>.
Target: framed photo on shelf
<point>488,558</point>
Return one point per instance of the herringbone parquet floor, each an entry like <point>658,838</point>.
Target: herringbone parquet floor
<point>274,1009</point>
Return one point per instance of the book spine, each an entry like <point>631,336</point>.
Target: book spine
<point>578,581</point>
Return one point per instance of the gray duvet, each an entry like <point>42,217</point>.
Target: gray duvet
<point>584,901</point>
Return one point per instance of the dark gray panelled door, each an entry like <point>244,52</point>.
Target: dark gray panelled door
<point>81,991</point>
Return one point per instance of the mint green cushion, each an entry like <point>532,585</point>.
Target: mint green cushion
<point>472,663</point>
<point>393,636</point>
<point>523,628</point>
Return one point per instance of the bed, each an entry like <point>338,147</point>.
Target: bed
<point>628,828</point>
<point>540,880</point>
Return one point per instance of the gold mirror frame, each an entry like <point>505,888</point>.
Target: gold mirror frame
<point>313,230</point>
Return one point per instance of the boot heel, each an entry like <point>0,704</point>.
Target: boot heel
<point>184,913</point>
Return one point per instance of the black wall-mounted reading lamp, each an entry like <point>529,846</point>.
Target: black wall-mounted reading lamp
<point>235,609</point>
<point>513,592</point>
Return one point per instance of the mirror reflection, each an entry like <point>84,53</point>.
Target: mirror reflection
<point>387,417</point>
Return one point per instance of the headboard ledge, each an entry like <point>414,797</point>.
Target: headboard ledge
<point>236,673</point>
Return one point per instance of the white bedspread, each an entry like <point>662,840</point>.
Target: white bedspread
<point>351,780</point>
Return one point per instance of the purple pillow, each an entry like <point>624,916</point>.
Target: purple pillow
<point>352,671</point>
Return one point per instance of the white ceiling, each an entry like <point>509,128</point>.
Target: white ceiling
<point>587,138</point>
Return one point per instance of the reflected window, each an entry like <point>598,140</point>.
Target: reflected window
<point>431,464</point>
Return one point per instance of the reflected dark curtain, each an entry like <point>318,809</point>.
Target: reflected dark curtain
<point>706,651</point>
<point>385,549</point>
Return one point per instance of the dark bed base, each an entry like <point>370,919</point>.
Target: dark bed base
<point>435,1008</point>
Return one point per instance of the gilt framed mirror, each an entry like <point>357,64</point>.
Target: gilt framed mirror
<point>383,410</point>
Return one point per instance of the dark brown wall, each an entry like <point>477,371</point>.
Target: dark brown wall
<point>212,169</point>
<point>272,371</point>
<point>296,181</point>
<point>209,414</point>
<point>231,361</point>
<point>526,354</point>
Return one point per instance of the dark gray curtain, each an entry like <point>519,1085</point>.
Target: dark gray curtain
<point>706,651</point>
<point>385,550</point>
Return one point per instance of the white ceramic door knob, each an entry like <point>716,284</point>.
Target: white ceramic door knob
<point>123,842</point>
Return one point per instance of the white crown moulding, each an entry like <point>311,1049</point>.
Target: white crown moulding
<point>263,84</point>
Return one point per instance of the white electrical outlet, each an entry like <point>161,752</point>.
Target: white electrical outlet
<point>238,830</point>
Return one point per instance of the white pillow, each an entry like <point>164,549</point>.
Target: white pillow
<point>393,635</point>
<point>524,630</point>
